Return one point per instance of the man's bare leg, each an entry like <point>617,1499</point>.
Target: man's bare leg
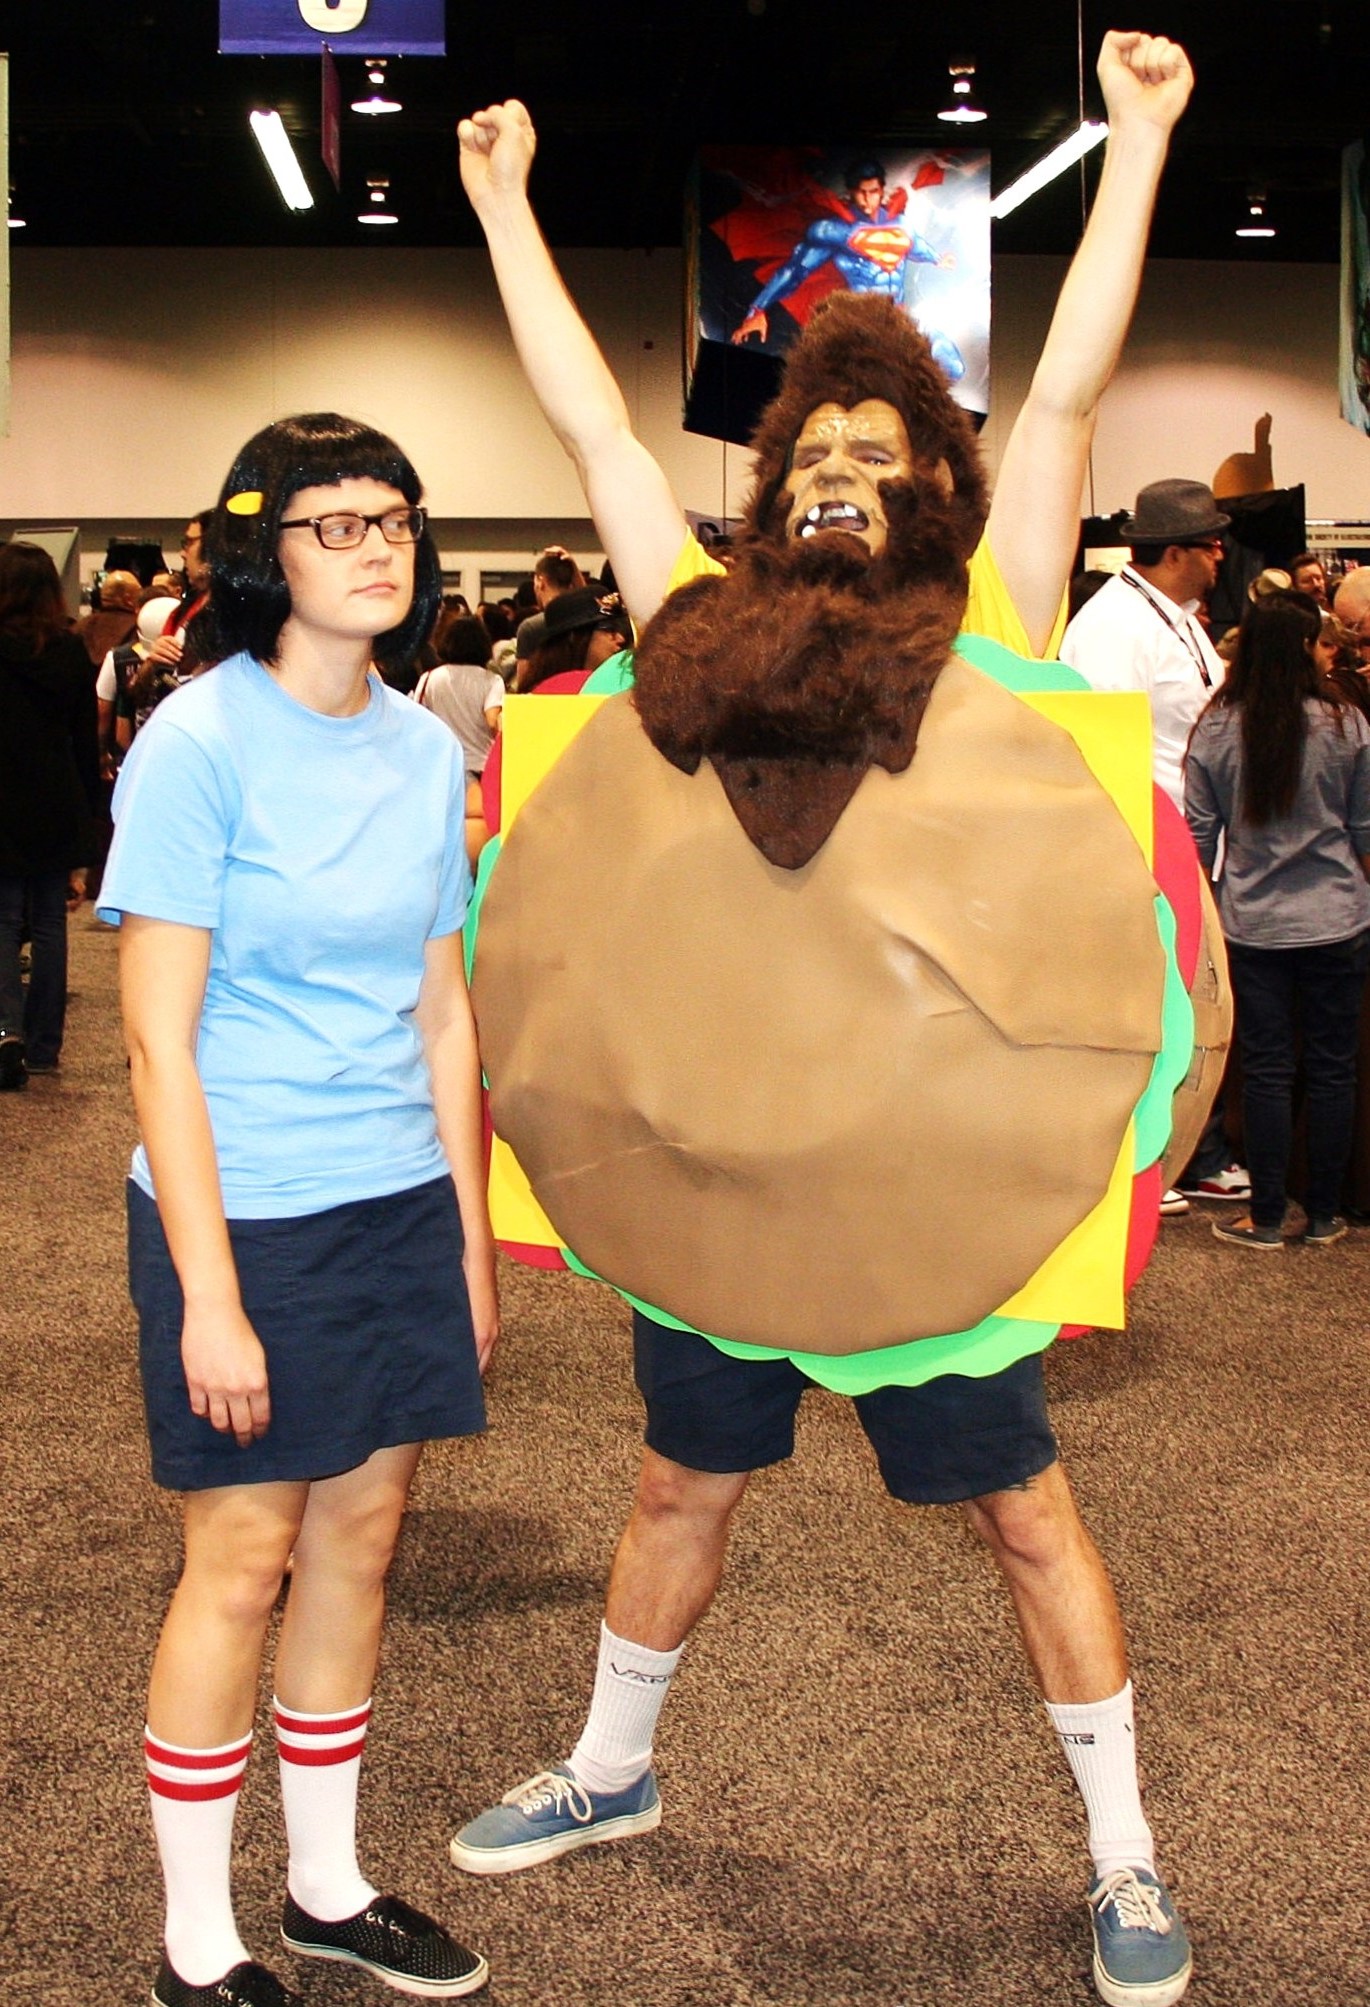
<point>670,1559</point>
<point>665,1575</point>
<point>1073,1634</point>
<point>1066,1608</point>
<point>1068,1616</point>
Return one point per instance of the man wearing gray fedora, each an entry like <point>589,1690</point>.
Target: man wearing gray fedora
<point>1140,632</point>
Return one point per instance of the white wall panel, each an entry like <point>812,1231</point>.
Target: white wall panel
<point>138,373</point>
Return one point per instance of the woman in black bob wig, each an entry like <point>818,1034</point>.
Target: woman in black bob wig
<point>249,597</point>
<point>310,1253</point>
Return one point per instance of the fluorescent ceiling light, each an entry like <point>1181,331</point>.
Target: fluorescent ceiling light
<point>279,155</point>
<point>1056,162</point>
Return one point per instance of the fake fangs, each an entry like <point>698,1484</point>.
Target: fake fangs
<point>832,516</point>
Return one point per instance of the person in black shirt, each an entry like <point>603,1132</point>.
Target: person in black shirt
<point>49,797</point>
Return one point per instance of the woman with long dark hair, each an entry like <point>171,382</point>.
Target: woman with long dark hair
<point>1279,769</point>
<point>49,798</point>
<point>583,628</point>
<point>290,878</point>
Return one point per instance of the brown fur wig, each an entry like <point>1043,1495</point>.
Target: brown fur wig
<point>813,660</point>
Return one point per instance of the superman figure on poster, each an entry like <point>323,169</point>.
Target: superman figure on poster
<point>786,226</point>
<point>871,247</point>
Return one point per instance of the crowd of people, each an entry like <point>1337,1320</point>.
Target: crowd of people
<point>1286,853</point>
<point>302,738</point>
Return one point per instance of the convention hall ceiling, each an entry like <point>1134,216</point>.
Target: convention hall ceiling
<point>128,128</point>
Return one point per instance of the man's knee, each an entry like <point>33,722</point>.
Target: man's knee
<point>1033,1522</point>
<point>671,1491</point>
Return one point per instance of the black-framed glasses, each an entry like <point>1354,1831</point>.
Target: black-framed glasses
<point>346,528</point>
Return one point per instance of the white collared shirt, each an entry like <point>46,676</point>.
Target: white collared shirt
<point>1132,637</point>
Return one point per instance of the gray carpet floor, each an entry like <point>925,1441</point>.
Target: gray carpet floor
<point>863,1803</point>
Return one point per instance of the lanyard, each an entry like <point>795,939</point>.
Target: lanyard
<point>1181,633</point>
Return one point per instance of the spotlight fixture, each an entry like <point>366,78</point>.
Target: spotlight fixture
<point>963,109</point>
<point>378,102</point>
<point>379,211</point>
<point>1257,222</point>
<point>279,155</point>
<point>1056,162</point>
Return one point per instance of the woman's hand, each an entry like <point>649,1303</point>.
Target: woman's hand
<point>225,1369</point>
<point>478,1266</point>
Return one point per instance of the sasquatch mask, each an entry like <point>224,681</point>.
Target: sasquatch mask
<point>813,659</point>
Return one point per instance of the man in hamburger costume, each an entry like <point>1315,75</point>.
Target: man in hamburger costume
<point>832,986</point>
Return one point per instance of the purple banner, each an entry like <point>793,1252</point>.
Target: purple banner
<point>350,27</point>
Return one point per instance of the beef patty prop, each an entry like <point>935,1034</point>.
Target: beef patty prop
<point>894,1111</point>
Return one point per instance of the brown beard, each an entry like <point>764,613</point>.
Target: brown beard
<point>811,661</point>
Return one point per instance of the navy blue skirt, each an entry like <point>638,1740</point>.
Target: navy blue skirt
<point>363,1313</point>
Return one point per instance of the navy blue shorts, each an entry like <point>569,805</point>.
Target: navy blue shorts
<point>948,1440</point>
<point>364,1317</point>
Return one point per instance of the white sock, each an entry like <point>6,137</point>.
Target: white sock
<point>1099,1746</point>
<point>321,1760</point>
<point>194,1794</point>
<point>631,1680</point>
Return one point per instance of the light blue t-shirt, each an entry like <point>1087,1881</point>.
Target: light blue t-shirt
<point>323,853</point>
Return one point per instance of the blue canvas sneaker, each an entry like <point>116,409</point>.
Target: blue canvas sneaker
<point>1141,1952</point>
<point>549,1815</point>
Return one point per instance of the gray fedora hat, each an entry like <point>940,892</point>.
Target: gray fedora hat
<point>1174,512</point>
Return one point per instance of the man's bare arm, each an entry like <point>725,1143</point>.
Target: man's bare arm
<point>640,522</point>
<point>1034,518</point>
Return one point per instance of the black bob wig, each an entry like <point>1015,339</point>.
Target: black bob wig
<point>249,600</point>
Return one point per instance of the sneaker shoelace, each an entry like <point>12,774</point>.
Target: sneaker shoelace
<point>230,1992</point>
<point>1136,1904</point>
<point>400,1920</point>
<point>562,1794</point>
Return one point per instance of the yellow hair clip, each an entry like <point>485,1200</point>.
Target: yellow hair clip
<point>249,503</point>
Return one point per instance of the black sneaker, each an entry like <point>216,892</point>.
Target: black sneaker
<point>1244,1233</point>
<point>13,1073</point>
<point>246,1985</point>
<point>400,1945</point>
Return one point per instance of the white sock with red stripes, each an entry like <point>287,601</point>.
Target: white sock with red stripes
<point>321,1760</point>
<point>194,1795</point>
